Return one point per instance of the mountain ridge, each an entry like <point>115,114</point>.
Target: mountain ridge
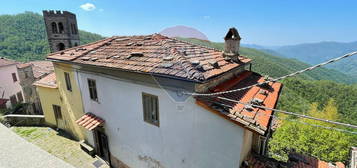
<point>184,32</point>
<point>314,53</point>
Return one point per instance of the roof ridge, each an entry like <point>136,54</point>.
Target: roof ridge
<point>84,45</point>
<point>195,44</point>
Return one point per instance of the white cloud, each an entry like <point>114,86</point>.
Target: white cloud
<point>206,17</point>
<point>88,7</point>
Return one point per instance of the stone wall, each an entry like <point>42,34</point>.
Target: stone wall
<point>25,120</point>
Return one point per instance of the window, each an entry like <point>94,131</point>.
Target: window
<point>151,108</point>
<point>60,28</point>
<point>60,46</point>
<point>57,111</point>
<point>14,78</point>
<point>54,28</point>
<point>73,28</point>
<point>26,75</point>
<point>68,81</point>
<point>259,144</point>
<point>13,100</point>
<point>92,89</point>
<point>19,97</point>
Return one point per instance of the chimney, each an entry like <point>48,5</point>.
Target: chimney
<point>231,45</point>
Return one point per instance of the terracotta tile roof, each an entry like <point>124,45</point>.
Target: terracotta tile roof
<point>48,81</point>
<point>89,121</point>
<point>39,68</point>
<point>255,119</point>
<point>5,61</point>
<point>152,54</point>
<point>23,65</point>
<point>295,161</point>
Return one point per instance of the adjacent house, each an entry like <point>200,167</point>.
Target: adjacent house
<point>29,73</point>
<point>10,88</point>
<point>127,96</point>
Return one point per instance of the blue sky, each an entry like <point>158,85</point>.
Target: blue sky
<point>263,22</point>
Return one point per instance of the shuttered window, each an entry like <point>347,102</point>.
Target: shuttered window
<point>68,81</point>
<point>92,89</point>
<point>151,108</point>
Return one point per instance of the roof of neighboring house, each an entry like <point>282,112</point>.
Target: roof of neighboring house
<point>295,161</point>
<point>48,81</point>
<point>255,119</point>
<point>39,68</point>
<point>153,54</point>
<point>6,62</point>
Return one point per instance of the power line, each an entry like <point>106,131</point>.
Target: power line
<point>290,113</point>
<point>276,79</point>
<point>313,125</point>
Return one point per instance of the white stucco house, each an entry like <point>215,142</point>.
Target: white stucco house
<point>138,112</point>
<point>10,88</point>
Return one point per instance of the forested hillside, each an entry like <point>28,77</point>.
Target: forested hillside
<point>276,66</point>
<point>321,93</point>
<point>23,37</point>
<point>313,53</point>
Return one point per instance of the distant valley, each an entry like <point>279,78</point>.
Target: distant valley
<point>314,53</point>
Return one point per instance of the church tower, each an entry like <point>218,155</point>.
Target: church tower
<point>62,30</point>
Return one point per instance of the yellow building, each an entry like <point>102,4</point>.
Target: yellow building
<point>61,100</point>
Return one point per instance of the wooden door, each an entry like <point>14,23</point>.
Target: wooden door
<point>59,118</point>
<point>102,145</point>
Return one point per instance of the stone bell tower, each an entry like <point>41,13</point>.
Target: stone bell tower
<point>62,30</point>
<point>232,44</point>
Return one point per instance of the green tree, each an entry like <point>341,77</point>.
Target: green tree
<point>325,144</point>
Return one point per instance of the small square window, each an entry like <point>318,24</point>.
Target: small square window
<point>68,81</point>
<point>151,108</point>
<point>92,86</point>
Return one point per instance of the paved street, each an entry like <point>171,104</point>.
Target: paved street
<point>16,152</point>
<point>58,144</point>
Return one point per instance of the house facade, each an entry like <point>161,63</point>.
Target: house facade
<point>10,88</point>
<point>61,105</point>
<point>127,94</point>
<point>186,135</point>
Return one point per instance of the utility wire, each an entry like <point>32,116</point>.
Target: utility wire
<point>290,113</point>
<point>313,125</point>
<point>276,79</point>
<point>320,126</point>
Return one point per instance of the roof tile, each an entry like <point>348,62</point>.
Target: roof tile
<point>257,119</point>
<point>114,51</point>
